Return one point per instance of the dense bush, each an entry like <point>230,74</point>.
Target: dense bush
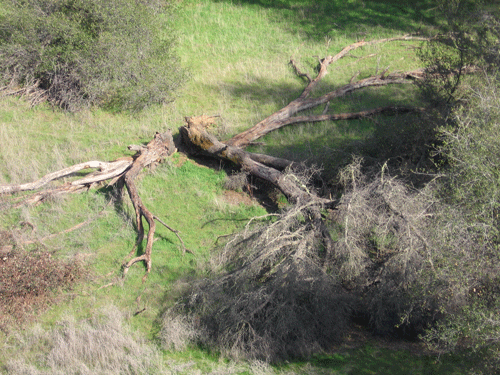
<point>405,262</point>
<point>471,146</point>
<point>114,53</point>
<point>469,39</point>
<point>471,188</point>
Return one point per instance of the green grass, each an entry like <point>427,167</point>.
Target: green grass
<point>373,359</point>
<point>237,54</point>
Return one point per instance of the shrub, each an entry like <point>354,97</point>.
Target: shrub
<point>471,146</point>
<point>469,37</point>
<point>269,297</point>
<point>115,53</point>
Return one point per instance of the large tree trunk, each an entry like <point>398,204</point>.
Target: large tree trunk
<point>198,140</point>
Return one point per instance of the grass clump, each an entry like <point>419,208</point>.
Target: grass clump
<point>80,52</point>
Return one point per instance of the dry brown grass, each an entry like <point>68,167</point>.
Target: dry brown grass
<point>101,345</point>
<point>105,344</point>
<point>31,280</point>
<point>178,331</point>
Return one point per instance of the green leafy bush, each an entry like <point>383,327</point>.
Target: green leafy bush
<point>469,40</point>
<point>115,53</point>
<point>471,191</point>
<point>471,145</point>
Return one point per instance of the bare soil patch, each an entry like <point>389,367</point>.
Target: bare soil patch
<point>236,198</point>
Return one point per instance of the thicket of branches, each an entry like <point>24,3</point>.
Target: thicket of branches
<point>76,53</point>
<point>276,294</point>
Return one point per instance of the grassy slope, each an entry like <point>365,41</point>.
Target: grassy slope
<point>237,53</point>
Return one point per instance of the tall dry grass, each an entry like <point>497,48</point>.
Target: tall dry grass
<point>103,344</point>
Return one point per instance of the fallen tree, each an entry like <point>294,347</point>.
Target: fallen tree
<point>266,168</point>
<point>276,170</point>
<point>123,171</point>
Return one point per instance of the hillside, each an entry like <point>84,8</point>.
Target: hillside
<point>90,318</point>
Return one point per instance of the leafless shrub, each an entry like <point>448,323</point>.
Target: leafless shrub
<point>401,260</point>
<point>270,299</point>
<point>236,181</point>
<point>384,246</point>
<point>100,345</point>
<point>409,255</point>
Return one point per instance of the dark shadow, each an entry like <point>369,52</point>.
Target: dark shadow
<point>328,18</point>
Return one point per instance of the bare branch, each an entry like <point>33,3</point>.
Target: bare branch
<point>107,170</point>
<point>176,232</point>
<point>388,110</point>
<point>298,71</point>
<point>284,115</point>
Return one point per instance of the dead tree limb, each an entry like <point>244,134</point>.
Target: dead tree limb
<point>124,171</point>
<point>388,110</point>
<point>285,115</point>
<point>105,171</point>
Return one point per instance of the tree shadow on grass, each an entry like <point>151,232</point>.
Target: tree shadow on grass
<point>318,19</point>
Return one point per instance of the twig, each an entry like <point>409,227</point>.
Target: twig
<point>105,286</point>
<point>298,71</point>
<point>176,232</point>
<point>140,311</point>
<point>223,236</point>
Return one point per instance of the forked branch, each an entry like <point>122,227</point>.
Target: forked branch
<point>285,116</point>
<point>123,170</point>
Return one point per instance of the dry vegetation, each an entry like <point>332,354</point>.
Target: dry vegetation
<point>274,293</point>
<point>100,345</point>
<point>31,281</point>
